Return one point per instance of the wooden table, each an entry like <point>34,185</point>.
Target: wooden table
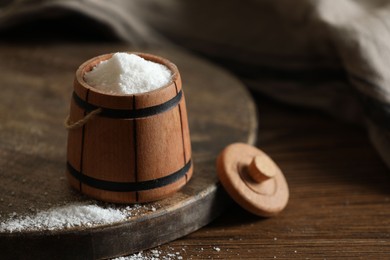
<point>339,197</point>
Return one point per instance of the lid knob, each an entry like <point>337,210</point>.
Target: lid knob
<point>260,170</point>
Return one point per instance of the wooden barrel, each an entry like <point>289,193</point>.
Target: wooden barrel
<point>137,149</point>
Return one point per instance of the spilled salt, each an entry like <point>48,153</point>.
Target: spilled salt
<point>63,217</point>
<point>153,254</point>
<point>127,73</point>
<point>77,214</point>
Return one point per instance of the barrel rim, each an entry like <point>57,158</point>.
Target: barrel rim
<point>91,63</point>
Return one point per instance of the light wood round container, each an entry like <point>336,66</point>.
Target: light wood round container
<point>137,149</point>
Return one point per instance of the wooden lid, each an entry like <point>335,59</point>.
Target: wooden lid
<point>252,179</point>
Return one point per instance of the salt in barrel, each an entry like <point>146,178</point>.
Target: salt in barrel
<point>137,148</point>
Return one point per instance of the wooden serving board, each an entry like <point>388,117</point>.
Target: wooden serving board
<point>36,85</point>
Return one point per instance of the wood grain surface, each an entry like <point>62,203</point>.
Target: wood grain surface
<point>36,89</point>
<point>339,205</point>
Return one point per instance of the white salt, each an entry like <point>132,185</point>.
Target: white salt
<point>153,254</point>
<point>75,214</point>
<point>64,217</point>
<point>127,73</point>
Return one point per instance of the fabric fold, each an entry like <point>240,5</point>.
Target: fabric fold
<point>328,55</point>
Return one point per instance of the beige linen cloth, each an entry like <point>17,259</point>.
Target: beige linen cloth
<point>324,54</point>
